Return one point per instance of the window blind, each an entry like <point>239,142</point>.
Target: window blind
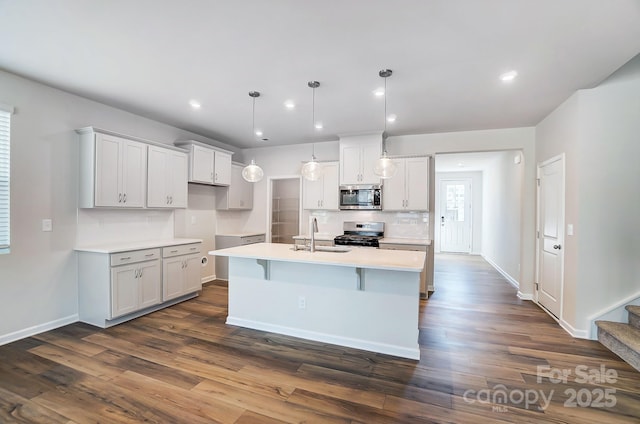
<point>5,127</point>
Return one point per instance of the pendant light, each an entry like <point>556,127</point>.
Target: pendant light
<point>252,172</point>
<point>312,170</point>
<point>385,167</point>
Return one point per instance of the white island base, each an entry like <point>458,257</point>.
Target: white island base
<point>313,297</point>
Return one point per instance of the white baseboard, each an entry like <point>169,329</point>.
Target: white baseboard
<point>509,278</point>
<point>403,352</point>
<point>580,334</point>
<point>525,296</point>
<point>37,329</point>
<point>208,278</point>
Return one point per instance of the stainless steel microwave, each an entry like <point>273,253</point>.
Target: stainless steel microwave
<point>362,197</point>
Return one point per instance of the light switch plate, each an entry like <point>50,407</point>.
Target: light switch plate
<point>569,229</point>
<point>47,225</point>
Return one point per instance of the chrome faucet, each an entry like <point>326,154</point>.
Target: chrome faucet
<point>313,229</point>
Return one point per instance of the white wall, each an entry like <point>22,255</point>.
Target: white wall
<point>476,206</point>
<point>501,202</point>
<point>38,279</point>
<point>598,130</point>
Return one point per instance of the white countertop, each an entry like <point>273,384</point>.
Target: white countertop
<point>358,257</point>
<point>414,241</point>
<point>249,234</point>
<point>135,245</point>
<point>319,236</point>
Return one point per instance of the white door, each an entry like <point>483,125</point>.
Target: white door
<point>330,187</point>
<point>417,176</point>
<point>455,216</point>
<point>550,234</point>
<point>202,165</point>
<point>192,279</point>
<point>394,194</point>
<point>150,284</point>
<point>124,289</point>
<point>134,174</point>
<point>108,187</point>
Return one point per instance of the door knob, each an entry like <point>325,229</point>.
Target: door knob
<point>557,246</point>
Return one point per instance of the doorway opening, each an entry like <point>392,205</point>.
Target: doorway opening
<point>284,209</point>
<point>478,208</point>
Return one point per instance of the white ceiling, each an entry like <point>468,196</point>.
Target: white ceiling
<point>152,56</point>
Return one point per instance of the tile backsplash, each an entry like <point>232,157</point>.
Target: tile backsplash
<point>397,224</point>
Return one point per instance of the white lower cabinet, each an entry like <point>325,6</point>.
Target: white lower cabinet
<point>116,287</point>
<point>135,287</point>
<point>180,271</point>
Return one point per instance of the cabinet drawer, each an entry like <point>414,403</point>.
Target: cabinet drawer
<point>252,239</point>
<point>182,249</point>
<point>133,256</point>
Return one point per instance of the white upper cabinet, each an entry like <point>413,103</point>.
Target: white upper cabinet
<point>323,193</point>
<point>167,178</point>
<point>408,190</point>
<point>239,194</point>
<point>207,164</point>
<point>358,155</point>
<point>113,171</point>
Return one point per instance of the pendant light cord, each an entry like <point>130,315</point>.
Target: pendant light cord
<point>313,119</point>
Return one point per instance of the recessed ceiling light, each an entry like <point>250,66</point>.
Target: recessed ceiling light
<point>259,133</point>
<point>195,104</point>
<point>289,104</point>
<point>378,92</point>
<point>460,164</point>
<point>508,76</point>
<point>392,118</point>
<point>318,125</point>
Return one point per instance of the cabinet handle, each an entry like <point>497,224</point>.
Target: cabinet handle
<point>126,258</point>
<point>173,251</point>
<point>135,273</point>
<point>167,200</point>
<point>148,255</point>
<point>124,198</point>
<point>193,248</point>
<point>171,197</point>
<point>119,197</point>
<point>140,274</point>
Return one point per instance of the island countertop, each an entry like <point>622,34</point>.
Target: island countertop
<point>357,257</point>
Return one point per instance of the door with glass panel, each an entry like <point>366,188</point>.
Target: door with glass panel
<point>455,216</point>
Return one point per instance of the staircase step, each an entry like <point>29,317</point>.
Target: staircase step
<point>622,339</point>
<point>634,315</point>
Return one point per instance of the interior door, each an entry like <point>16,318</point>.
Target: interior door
<point>455,216</point>
<point>550,234</point>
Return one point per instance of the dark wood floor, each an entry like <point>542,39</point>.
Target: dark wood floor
<point>184,365</point>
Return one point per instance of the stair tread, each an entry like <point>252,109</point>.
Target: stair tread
<point>634,309</point>
<point>623,332</point>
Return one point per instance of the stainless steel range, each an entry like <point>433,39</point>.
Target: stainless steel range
<point>360,234</point>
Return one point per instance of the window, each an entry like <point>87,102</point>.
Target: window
<point>5,126</point>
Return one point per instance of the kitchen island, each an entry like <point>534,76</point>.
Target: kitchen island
<point>364,298</point>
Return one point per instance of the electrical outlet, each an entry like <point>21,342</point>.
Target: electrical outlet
<point>302,302</point>
<point>47,225</point>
